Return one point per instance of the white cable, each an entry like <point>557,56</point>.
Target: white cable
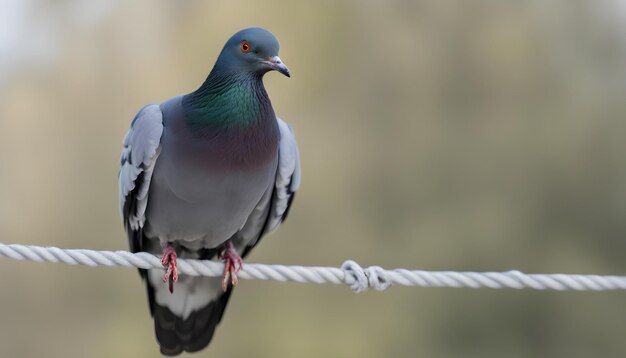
<point>350,273</point>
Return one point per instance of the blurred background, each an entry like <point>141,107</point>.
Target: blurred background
<point>483,135</point>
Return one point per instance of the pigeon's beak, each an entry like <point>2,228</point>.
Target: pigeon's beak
<point>275,63</point>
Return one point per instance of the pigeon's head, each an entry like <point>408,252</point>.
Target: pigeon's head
<point>252,50</point>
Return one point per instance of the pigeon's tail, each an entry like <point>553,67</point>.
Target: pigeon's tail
<point>185,320</point>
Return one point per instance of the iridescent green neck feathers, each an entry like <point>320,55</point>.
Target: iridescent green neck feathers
<point>227,100</point>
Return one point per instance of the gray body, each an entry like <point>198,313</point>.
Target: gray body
<point>171,193</point>
<point>194,203</point>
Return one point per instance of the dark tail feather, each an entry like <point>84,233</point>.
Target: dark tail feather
<point>176,335</point>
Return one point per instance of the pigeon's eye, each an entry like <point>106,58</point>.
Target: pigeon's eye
<point>245,46</point>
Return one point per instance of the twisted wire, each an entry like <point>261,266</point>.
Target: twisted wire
<point>359,279</point>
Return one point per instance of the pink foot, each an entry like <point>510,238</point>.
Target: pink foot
<point>169,260</point>
<point>232,264</point>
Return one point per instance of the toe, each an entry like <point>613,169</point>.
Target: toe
<point>233,278</point>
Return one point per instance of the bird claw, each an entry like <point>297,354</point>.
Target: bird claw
<point>169,260</point>
<point>232,264</point>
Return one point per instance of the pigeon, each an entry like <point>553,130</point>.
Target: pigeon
<point>206,175</point>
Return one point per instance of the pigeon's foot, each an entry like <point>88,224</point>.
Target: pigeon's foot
<point>232,264</point>
<point>169,260</point>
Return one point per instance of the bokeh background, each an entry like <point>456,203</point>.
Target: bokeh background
<point>483,135</point>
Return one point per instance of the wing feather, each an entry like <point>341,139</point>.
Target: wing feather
<point>287,177</point>
<point>141,149</point>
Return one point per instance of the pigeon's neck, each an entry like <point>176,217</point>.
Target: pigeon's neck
<point>227,100</point>
<point>231,121</point>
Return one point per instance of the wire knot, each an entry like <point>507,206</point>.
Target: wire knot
<point>361,279</point>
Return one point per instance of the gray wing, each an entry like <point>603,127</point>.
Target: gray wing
<point>141,149</point>
<point>287,177</point>
<point>274,206</point>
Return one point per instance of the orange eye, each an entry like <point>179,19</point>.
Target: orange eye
<point>245,46</point>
